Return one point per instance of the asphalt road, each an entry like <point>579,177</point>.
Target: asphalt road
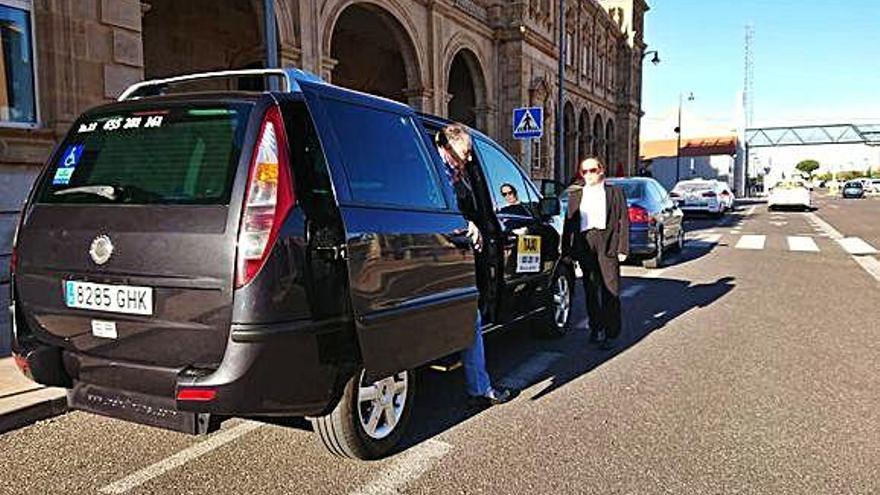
<point>746,367</point>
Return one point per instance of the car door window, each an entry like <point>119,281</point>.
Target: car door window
<point>665,200</point>
<point>505,177</point>
<point>385,158</point>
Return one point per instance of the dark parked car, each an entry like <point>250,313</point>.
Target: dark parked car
<point>655,222</point>
<point>295,252</point>
<point>853,189</point>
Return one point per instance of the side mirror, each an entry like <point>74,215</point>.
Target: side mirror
<point>551,188</point>
<point>550,206</point>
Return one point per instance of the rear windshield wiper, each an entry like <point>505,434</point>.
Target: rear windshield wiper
<point>114,192</point>
<point>108,192</point>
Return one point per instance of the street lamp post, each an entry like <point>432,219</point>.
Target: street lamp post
<point>678,132</point>
<point>560,123</point>
<point>271,40</point>
<point>655,59</point>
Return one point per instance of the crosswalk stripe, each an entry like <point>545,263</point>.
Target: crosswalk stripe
<point>751,242</point>
<point>802,243</point>
<point>856,246</point>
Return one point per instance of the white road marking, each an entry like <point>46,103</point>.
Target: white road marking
<point>824,226</point>
<point>751,242</point>
<point>631,291</point>
<point>179,459</point>
<point>802,243</point>
<point>856,246</point>
<point>528,372</point>
<point>870,264</point>
<point>406,468</point>
<point>751,210</point>
<point>779,224</point>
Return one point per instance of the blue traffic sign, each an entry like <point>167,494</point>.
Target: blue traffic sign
<point>528,122</point>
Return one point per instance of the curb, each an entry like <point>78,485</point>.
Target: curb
<point>27,415</point>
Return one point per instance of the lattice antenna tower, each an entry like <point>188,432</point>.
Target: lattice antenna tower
<point>749,76</point>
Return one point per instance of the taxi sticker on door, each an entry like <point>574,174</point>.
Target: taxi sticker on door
<point>528,254</point>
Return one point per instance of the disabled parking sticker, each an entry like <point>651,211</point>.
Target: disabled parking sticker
<point>69,161</point>
<point>528,254</point>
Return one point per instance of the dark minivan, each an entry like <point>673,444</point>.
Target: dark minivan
<point>655,221</point>
<point>299,252</point>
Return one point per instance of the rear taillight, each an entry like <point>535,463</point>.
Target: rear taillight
<point>22,363</point>
<point>196,394</point>
<point>268,198</point>
<point>709,194</point>
<point>637,214</point>
<point>725,193</point>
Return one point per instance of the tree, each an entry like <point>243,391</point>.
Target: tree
<point>807,166</point>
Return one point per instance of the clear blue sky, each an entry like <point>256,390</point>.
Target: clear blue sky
<point>815,60</point>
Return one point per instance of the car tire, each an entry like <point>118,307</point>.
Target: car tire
<point>655,261</point>
<point>679,241</point>
<point>555,322</point>
<point>351,430</point>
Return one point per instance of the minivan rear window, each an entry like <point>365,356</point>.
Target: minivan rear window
<point>176,154</point>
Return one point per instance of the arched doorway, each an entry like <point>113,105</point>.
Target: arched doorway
<point>570,141</point>
<point>598,130</point>
<point>583,136</point>
<point>609,148</point>
<point>201,35</point>
<point>373,53</point>
<point>467,90</point>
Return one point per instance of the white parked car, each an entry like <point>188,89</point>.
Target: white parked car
<point>703,196</point>
<point>875,186</point>
<point>790,193</point>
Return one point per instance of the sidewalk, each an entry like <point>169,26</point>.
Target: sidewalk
<point>23,402</point>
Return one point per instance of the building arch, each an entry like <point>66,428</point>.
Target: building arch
<point>393,67</point>
<point>610,156</point>
<point>569,142</point>
<point>598,136</point>
<point>466,89</point>
<point>584,135</point>
<point>463,49</point>
<point>227,35</point>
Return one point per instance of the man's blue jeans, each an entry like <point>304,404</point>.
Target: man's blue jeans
<point>474,361</point>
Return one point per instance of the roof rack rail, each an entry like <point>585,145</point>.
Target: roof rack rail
<point>291,77</point>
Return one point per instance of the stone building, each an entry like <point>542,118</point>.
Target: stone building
<point>472,60</point>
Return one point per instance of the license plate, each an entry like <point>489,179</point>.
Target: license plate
<point>111,298</point>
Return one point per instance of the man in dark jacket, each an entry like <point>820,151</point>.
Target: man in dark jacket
<point>596,235</point>
<point>455,148</point>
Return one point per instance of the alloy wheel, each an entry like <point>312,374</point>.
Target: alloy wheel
<point>561,300</point>
<point>381,404</point>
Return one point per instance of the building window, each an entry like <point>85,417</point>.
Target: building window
<point>585,59</point>
<point>18,103</point>
<point>569,49</point>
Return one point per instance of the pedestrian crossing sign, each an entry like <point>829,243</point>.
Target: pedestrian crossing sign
<point>528,122</point>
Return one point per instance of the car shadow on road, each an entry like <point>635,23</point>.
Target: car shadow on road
<point>523,358</point>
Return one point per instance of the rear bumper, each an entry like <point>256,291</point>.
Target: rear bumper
<point>294,369</point>
<point>641,240</point>
<point>710,208</point>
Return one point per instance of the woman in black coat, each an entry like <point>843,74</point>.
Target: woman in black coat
<point>596,235</point>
